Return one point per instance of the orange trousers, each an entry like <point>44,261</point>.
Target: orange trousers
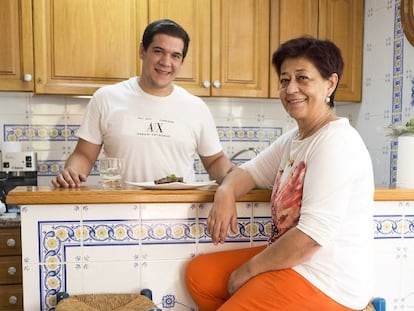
<point>280,290</point>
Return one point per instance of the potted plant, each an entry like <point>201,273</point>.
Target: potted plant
<point>402,130</point>
<point>405,159</point>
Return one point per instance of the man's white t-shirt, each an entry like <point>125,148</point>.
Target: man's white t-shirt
<point>335,208</point>
<point>156,136</point>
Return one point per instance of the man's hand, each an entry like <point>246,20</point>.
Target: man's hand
<point>69,178</point>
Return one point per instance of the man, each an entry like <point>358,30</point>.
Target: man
<point>156,126</point>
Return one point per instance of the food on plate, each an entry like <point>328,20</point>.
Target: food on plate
<point>169,179</point>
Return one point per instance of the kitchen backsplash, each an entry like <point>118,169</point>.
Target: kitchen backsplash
<point>48,124</point>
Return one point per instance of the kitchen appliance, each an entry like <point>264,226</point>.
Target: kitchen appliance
<point>16,169</point>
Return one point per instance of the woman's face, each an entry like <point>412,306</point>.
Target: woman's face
<point>303,91</point>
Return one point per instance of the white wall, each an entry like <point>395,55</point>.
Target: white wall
<point>388,86</point>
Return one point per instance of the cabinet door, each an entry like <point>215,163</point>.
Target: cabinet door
<point>240,48</point>
<point>16,48</point>
<point>342,22</point>
<point>338,20</point>
<point>81,45</point>
<point>284,27</point>
<point>194,17</point>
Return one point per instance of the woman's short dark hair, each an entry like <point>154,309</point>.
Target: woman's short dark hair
<point>167,27</point>
<point>323,54</point>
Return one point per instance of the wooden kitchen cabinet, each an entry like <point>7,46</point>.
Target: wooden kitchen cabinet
<point>11,283</point>
<point>340,21</point>
<point>81,45</point>
<point>229,44</point>
<point>16,48</point>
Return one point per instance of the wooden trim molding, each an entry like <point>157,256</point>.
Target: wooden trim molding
<point>407,19</point>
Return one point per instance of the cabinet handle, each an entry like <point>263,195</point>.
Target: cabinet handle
<point>216,84</point>
<point>27,77</point>
<point>12,270</point>
<point>206,84</point>
<point>11,242</point>
<point>12,300</point>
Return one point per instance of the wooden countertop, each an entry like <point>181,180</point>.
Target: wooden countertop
<point>129,194</point>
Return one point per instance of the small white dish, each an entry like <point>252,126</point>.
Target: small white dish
<point>171,186</point>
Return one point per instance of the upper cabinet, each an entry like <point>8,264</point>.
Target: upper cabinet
<point>229,44</point>
<point>74,47</point>
<point>16,48</point>
<point>340,21</point>
<point>81,45</point>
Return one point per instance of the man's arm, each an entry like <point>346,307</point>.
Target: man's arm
<point>78,165</point>
<point>217,166</point>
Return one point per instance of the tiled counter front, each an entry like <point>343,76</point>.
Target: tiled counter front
<point>394,253</point>
<point>119,248</point>
<point>97,248</point>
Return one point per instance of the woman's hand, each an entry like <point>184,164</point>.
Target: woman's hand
<point>222,215</point>
<point>238,278</point>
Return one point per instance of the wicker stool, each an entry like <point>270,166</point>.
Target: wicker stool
<point>105,302</point>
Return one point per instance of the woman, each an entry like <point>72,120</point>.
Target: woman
<point>319,252</point>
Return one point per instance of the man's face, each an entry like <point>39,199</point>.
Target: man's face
<point>161,63</point>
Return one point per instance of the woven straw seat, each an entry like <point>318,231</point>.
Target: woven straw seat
<point>370,307</point>
<point>105,302</point>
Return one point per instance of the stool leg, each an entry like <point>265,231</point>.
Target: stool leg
<point>379,304</point>
<point>146,292</point>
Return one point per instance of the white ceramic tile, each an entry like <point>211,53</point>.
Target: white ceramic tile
<point>408,210</point>
<point>74,119</point>
<point>119,277</point>
<point>204,248</point>
<point>45,237</point>
<point>31,280</point>
<point>218,106</point>
<point>246,121</point>
<point>168,251</point>
<point>76,105</point>
<point>72,278</point>
<point>166,280</point>
<point>46,281</point>
<point>14,103</point>
<point>203,209</point>
<point>407,255</point>
<point>47,119</point>
<point>388,208</point>
<point>100,213</point>
<point>42,104</point>
<point>387,265</point>
<point>244,209</point>
<point>170,211</point>
<point>106,250</point>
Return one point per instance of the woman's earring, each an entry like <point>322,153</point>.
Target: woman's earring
<point>327,99</point>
